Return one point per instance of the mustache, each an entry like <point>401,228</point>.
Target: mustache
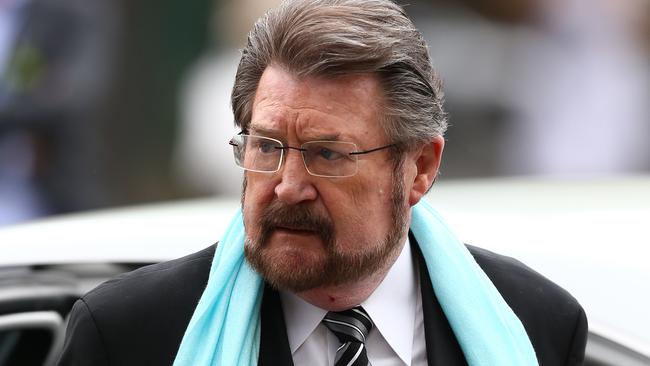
<point>297,217</point>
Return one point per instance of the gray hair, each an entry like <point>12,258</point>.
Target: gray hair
<point>340,37</point>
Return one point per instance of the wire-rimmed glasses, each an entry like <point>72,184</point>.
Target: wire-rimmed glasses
<point>328,159</point>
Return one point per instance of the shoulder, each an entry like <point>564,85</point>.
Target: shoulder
<point>554,320</point>
<point>177,277</point>
<point>519,284</point>
<point>140,317</point>
<point>152,291</point>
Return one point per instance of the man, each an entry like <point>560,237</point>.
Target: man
<point>342,123</point>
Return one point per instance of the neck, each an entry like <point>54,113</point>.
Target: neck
<point>345,296</point>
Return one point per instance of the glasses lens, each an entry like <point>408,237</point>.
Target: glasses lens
<point>330,158</point>
<point>260,154</point>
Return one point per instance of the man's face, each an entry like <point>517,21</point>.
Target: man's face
<point>306,232</point>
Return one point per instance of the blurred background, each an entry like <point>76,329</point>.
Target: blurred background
<point>113,103</point>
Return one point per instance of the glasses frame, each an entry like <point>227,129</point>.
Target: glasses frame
<point>302,151</point>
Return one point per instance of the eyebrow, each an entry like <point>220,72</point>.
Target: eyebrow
<point>256,130</point>
<point>330,137</point>
<point>276,134</point>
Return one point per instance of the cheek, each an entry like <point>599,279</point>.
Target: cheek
<point>374,195</point>
<point>259,187</point>
<point>257,194</point>
<point>364,212</point>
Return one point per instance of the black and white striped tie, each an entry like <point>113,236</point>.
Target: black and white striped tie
<point>351,327</point>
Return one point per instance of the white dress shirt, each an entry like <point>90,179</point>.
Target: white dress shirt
<point>395,307</point>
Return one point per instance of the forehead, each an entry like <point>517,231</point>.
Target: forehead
<point>345,106</point>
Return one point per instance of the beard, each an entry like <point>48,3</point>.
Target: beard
<point>337,266</point>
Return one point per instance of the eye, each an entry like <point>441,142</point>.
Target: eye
<point>266,147</point>
<point>329,154</point>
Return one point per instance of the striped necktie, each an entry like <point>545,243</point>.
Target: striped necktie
<point>351,327</point>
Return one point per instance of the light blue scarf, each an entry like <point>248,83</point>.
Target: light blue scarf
<point>225,327</point>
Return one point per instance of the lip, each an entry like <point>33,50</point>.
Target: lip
<point>285,230</point>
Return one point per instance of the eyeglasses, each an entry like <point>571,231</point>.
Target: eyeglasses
<point>322,158</point>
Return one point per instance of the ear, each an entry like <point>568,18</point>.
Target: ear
<point>427,162</point>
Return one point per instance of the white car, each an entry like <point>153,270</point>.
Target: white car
<point>589,236</point>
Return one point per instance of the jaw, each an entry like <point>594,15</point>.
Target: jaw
<point>344,296</point>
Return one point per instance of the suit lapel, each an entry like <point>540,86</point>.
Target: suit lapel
<point>274,342</point>
<point>442,347</point>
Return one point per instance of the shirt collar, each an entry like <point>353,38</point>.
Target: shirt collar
<point>301,318</point>
<point>391,307</point>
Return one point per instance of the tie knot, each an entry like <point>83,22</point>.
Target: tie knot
<point>349,325</point>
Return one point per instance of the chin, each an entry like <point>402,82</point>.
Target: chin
<point>287,268</point>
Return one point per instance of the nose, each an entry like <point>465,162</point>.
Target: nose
<point>296,183</point>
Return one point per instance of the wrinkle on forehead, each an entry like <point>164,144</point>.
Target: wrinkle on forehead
<point>316,106</point>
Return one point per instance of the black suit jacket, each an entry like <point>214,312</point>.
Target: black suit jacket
<point>139,318</point>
